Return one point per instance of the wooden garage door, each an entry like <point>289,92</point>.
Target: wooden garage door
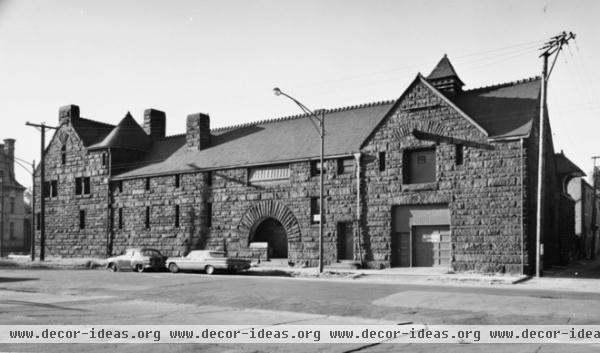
<point>431,246</point>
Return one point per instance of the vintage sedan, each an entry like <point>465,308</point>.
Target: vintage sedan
<point>136,259</point>
<point>207,261</point>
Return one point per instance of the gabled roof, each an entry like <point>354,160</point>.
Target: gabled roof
<point>443,69</point>
<point>128,134</point>
<point>564,166</point>
<point>90,131</point>
<point>271,141</point>
<point>506,110</point>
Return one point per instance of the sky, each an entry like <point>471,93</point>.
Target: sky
<point>224,58</point>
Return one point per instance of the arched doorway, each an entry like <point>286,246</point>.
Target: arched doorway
<point>271,231</point>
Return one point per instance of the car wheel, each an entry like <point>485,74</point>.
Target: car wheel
<point>139,268</point>
<point>112,267</point>
<point>173,267</point>
<point>209,270</point>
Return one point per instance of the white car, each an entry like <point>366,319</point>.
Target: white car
<point>207,261</point>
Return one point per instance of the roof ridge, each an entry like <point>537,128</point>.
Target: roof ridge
<point>504,84</point>
<point>95,121</point>
<point>299,116</point>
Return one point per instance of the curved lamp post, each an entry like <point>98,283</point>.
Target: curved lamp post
<point>321,131</point>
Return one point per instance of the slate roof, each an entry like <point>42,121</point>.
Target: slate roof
<point>443,69</point>
<point>564,166</point>
<point>504,111</point>
<point>90,131</point>
<point>128,134</point>
<point>272,141</point>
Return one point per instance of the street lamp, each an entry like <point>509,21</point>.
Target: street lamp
<point>321,131</point>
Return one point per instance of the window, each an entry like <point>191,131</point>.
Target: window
<point>315,210</point>
<point>12,204</point>
<point>147,217</point>
<point>104,157</point>
<point>209,178</point>
<point>346,165</point>
<point>81,219</point>
<point>419,166</point>
<point>82,186</point>
<point>46,190</point>
<point>11,232</point>
<point>459,154</point>
<point>176,216</point>
<point>38,221</point>
<point>54,188</point>
<point>147,183</point>
<point>209,214</point>
<point>120,221</point>
<point>315,168</point>
<point>63,155</point>
<point>120,185</point>
<point>177,181</point>
<point>268,174</point>
<point>381,161</point>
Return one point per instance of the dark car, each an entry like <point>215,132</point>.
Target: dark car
<point>137,259</point>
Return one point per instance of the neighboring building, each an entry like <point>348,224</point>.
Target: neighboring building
<point>14,220</point>
<point>440,176</point>
<point>586,233</point>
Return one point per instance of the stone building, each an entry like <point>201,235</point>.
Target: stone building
<point>441,176</point>
<point>12,210</point>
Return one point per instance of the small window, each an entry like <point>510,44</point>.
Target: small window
<point>419,166</point>
<point>147,183</point>
<point>315,210</point>
<point>81,219</point>
<point>11,232</point>
<point>120,185</point>
<point>209,177</point>
<point>38,221</point>
<point>346,165</point>
<point>86,186</point>
<point>209,214</point>
<point>459,154</point>
<point>104,157</point>
<point>63,155</point>
<point>46,190</point>
<point>315,168</point>
<point>177,181</point>
<point>12,204</point>
<point>176,216</point>
<point>147,217</point>
<point>54,188</point>
<point>120,221</point>
<point>78,185</point>
<point>269,174</point>
<point>381,161</point>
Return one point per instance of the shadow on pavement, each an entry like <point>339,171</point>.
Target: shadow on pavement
<point>577,269</point>
<point>16,279</point>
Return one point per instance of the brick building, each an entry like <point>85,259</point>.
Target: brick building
<point>440,176</point>
<point>12,210</point>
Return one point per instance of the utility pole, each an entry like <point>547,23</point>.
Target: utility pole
<point>594,211</point>
<point>552,47</point>
<point>32,235</point>
<point>43,128</point>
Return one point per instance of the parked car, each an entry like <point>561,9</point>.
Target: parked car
<point>207,261</point>
<point>137,259</point>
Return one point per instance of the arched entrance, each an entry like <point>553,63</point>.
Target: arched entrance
<point>272,232</point>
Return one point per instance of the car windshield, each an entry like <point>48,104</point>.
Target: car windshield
<point>217,254</point>
<point>150,252</point>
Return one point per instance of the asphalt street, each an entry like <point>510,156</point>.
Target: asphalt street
<point>29,296</point>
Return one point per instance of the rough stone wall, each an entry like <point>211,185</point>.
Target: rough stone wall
<point>483,194</point>
<point>231,197</point>
<point>63,236</point>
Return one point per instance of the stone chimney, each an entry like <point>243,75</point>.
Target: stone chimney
<point>68,112</point>
<point>198,131</point>
<point>155,123</point>
<point>9,150</point>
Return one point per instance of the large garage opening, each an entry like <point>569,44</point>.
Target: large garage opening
<point>272,232</point>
